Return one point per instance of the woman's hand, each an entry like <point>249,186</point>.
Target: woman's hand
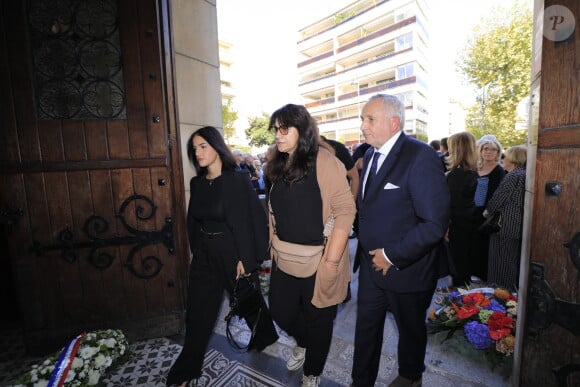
<point>240,271</point>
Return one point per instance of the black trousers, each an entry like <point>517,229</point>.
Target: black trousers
<point>409,310</point>
<point>212,270</point>
<point>292,310</point>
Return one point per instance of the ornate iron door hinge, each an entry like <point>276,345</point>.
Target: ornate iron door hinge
<point>147,267</point>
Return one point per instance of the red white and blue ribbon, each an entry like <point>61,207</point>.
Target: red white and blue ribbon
<point>64,362</point>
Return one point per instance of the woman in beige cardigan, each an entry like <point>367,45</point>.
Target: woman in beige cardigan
<point>311,205</point>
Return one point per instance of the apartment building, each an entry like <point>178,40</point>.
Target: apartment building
<point>226,76</point>
<point>368,47</point>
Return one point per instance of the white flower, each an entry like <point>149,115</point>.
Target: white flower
<point>88,352</point>
<point>97,351</point>
<point>77,363</point>
<point>110,343</point>
<point>100,360</point>
<point>70,376</point>
<point>94,378</point>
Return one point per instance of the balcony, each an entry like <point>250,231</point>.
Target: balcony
<point>341,17</point>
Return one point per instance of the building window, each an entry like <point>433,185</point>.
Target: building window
<point>405,71</point>
<point>404,41</point>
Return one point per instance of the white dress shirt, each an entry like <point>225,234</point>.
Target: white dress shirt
<point>384,151</point>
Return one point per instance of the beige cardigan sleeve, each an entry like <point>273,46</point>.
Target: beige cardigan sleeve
<point>337,204</point>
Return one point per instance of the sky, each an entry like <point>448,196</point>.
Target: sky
<point>264,34</point>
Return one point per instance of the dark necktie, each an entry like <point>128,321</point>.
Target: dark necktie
<point>373,171</point>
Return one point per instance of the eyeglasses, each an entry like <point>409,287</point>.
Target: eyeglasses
<point>487,149</point>
<point>283,129</point>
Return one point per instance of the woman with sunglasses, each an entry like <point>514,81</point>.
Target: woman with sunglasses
<point>228,237</point>
<point>310,205</point>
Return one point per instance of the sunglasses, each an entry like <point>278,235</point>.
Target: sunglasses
<point>283,129</point>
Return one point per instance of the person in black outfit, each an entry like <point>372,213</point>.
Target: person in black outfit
<point>309,200</point>
<point>358,154</point>
<point>444,152</point>
<point>436,145</point>
<point>342,153</point>
<point>491,174</point>
<point>462,182</point>
<point>228,237</point>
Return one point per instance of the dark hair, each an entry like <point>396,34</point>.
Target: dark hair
<point>216,141</point>
<point>304,157</point>
<point>435,144</point>
<point>443,142</point>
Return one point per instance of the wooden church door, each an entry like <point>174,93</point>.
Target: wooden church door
<point>551,341</point>
<point>88,195</point>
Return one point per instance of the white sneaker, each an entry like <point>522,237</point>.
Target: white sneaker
<point>296,359</point>
<point>310,381</point>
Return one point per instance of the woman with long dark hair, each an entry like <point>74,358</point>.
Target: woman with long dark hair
<point>228,236</point>
<point>311,205</point>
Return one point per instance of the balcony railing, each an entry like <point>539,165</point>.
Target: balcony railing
<point>374,5</point>
<point>377,34</point>
<point>316,58</point>
<point>321,102</point>
<point>385,57</point>
<point>365,91</point>
<point>360,41</point>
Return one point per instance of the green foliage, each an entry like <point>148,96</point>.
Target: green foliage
<point>258,131</point>
<point>229,117</point>
<point>497,61</point>
<point>422,136</point>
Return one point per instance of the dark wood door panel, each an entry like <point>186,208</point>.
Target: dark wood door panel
<point>84,274</point>
<point>551,341</point>
<point>557,218</point>
<point>94,246</point>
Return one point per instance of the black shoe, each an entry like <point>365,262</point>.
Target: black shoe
<point>404,382</point>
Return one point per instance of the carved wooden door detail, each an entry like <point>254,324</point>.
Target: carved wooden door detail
<point>87,177</point>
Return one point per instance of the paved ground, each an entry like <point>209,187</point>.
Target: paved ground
<point>449,362</point>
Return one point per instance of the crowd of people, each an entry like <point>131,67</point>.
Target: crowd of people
<point>404,200</point>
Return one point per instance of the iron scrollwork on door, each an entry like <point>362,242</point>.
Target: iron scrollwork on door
<point>143,267</point>
<point>545,309</point>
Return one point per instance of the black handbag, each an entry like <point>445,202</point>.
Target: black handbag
<point>246,300</point>
<point>491,225</point>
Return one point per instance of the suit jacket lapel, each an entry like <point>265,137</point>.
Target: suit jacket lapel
<point>366,165</point>
<point>379,181</point>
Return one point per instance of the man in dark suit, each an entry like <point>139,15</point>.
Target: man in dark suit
<point>403,207</point>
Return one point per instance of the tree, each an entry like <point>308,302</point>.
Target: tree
<point>259,132</point>
<point>229,117</point>
<point>496,60</point>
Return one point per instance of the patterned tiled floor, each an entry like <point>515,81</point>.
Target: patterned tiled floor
<point>152,359</point>
<point>448,362</point>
